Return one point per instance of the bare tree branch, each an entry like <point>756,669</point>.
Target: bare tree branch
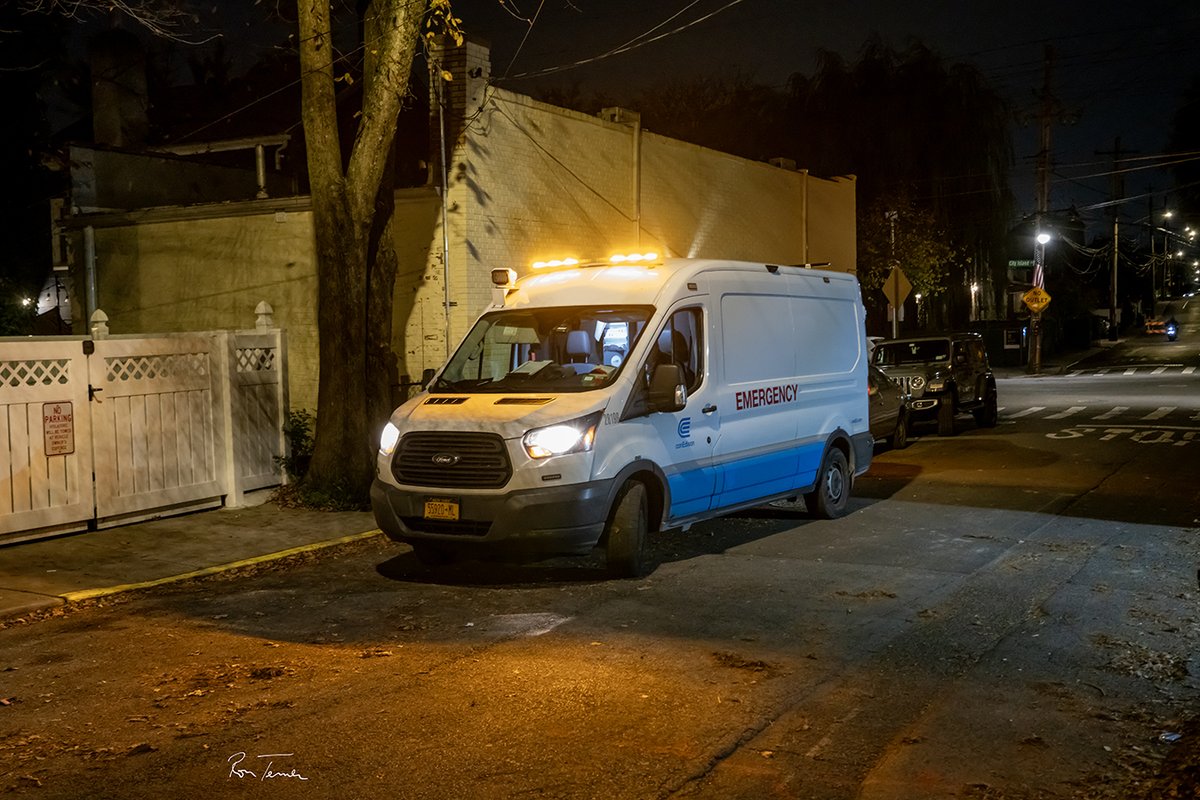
<point>167,19</point>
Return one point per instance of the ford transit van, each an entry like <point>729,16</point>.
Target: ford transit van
<point>594,404</point>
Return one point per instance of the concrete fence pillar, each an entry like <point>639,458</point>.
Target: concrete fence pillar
<point>99,324</point>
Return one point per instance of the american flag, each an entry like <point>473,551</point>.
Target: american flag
<point>1039,259</point>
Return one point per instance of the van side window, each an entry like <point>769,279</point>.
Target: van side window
<point>680,341</point>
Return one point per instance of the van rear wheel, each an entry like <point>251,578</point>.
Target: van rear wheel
<point>625,548</point>
<point>832,494</point>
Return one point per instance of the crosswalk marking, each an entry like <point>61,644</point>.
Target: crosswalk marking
<point>1157,416</point>
<point>1129,370</point>
<point>1064,414</point>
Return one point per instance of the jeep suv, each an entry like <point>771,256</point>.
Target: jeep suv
<point>945,375</point>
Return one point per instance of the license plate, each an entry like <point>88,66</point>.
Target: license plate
<point>441,508</point>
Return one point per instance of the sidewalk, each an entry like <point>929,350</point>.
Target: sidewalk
<point>67,569</point>
<point>1059,363</point>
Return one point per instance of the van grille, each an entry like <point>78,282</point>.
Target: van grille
<point>452,459</point>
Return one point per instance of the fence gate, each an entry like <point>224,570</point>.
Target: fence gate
<point>45,438</point>
<point>153,426</point>
<point>111,430</point>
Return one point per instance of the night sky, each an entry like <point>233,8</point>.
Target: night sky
<point>1121,68</point>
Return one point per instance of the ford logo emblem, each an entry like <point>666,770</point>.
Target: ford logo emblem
<point>445,459</point>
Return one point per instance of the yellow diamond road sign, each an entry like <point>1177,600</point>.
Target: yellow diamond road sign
<point>1037,300</point>
<point>896,287</point>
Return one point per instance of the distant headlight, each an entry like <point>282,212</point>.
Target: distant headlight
<point>917,382</point>
<point>576,436</point>
<point>937,383</point>
<point>388,439</point>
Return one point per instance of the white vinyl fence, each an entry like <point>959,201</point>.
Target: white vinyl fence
<point>105,430</point>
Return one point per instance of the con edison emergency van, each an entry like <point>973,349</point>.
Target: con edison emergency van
<point>593,404</point>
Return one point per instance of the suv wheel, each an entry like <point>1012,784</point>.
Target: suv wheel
<point>945,416</point>
<point>989,415</point>
<point>900,435</point>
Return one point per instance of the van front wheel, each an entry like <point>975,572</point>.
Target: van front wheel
<point>625,549</point>
<point>832,494</point>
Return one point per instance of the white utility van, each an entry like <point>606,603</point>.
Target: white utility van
<point>598,403</point>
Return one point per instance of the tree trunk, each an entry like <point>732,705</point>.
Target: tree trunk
<point>354,254</point>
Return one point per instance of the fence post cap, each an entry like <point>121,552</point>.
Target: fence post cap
<point>263,311</point>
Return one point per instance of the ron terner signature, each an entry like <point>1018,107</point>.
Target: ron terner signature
<point>236,770</point>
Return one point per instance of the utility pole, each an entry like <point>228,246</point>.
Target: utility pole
<point>1153,262</point>
<point>1046,117</point>
<point>891,218</point>
<point>1118,193</point>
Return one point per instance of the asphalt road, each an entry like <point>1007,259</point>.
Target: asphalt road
<point>1007,613</point>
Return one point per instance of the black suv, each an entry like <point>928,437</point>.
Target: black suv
<point>945,375</point>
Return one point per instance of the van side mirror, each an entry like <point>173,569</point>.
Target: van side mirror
<point>667,389</point>
<point>427,375</point>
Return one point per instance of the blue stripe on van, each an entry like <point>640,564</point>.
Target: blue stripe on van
<point>691,490</point>
<point>747,479</point>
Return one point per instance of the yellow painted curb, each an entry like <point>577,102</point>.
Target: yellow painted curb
<point>88,594</point>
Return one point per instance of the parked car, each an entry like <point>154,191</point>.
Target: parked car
<point>944,375</point>
<point>888,409</point>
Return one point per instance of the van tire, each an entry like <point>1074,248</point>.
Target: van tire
<point>625,546</point>
<point>832,493</point>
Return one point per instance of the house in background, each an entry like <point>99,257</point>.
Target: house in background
<point>162,242</point>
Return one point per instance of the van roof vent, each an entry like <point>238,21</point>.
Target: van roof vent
<point>523,401</point>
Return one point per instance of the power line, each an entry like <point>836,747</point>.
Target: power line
<point>633,44</point>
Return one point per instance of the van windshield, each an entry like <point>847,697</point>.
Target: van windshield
<point>537,350</point>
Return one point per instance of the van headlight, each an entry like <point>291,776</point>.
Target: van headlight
<point>575,436</point>
<point>388,439</point>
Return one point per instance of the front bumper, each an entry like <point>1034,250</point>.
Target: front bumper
<point>529,524</point>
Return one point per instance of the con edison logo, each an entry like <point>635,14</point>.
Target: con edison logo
<point>684,429</point>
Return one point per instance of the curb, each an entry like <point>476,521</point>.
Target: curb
<point>89,594</point>
<point>68,598</point>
